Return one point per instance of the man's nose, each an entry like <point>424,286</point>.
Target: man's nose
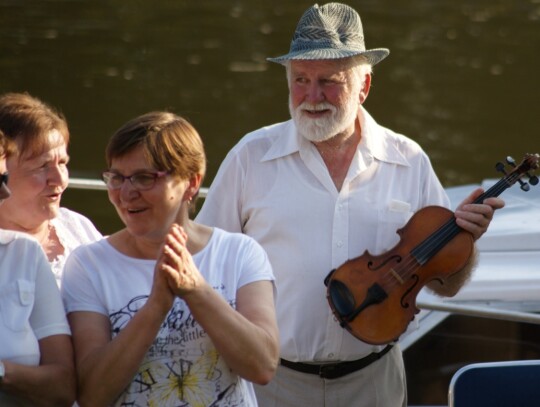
<point>315,93</point>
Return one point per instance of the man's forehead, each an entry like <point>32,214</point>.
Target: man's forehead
<point>321,66</point>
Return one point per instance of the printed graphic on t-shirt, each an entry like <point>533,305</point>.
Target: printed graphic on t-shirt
<point>181,368</point>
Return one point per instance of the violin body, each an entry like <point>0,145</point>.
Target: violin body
<point>398,277</point>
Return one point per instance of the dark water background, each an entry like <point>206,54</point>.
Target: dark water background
<point>462,78</point>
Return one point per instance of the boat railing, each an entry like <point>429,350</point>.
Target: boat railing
<point>434,312</point>
<point>99,185</point>
<point>481,311</point>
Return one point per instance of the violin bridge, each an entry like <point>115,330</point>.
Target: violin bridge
<point>397,276</point>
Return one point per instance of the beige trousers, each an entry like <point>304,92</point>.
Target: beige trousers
<point>381,384</point>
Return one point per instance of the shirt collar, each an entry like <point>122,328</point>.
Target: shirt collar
<point>287,143</point>
<point>6,236</point>
<point>375,142</point>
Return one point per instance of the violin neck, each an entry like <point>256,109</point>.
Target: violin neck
<point>434,243</point>
<point>499,187</point>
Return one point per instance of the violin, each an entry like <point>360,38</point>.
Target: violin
<point>374,297</point>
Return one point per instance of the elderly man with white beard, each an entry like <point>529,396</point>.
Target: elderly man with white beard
<point>323,188</point>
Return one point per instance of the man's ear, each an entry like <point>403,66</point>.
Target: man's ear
<point>365,89</point>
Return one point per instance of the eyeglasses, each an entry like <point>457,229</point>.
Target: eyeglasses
<point>4,178</point>
<point>141,181</point>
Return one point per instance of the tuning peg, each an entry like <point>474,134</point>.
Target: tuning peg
<point>524,186</point>
<point>533,180</point>
<point>500,167</point>
<point>511,161</point>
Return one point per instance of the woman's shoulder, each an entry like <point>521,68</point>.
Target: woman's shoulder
<point>12,237</point>
<point>233,242</point>
<point>22,255</point>
<point>97,248</point>
<point>75,228</point>
<point>67,215</point>
<point>223,235</point>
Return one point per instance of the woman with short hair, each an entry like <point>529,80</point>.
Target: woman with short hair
<point>167,311</point>
<point>39,174</point>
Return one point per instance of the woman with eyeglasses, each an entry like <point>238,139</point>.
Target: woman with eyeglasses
<point>36,354</point>
<point>167,311</point>
<point>39,175</point>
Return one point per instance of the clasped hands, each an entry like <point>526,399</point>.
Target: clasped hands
<point>175,273</point>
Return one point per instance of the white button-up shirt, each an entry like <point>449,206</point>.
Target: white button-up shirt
<point>274,186</point>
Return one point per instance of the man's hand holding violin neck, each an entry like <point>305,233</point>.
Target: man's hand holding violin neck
<point>476,217</point>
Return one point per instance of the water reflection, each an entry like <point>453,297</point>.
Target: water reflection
<point>461,78</point>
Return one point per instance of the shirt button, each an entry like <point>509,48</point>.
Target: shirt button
<point>330,355</point>
<point>339,244</point>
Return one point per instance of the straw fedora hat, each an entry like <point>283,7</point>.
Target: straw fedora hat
<point>331,31</point>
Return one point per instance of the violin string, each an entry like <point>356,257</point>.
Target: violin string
<point>437,240</point>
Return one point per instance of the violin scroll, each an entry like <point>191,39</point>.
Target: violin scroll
<point>530,162</point>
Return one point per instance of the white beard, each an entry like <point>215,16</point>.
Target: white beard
<point>324,128</point>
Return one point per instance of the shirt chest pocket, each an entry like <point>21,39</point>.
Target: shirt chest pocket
<point>390,219</point>
<point>16,304</point>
